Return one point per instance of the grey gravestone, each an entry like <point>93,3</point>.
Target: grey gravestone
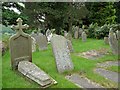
<point>113,42</point>
<point>69,44</point>
<point>76,32</point>
<point>36,74</point>
<point>84,36</point>
<point>48,35</point>
<point>20,45</point>
<point>80,32</point>
<point>33,44</point>
<point>21,57</point>
<point>41,41</point>
<point>61,53</point>
<point>68,35</point>
<point>106,40</point>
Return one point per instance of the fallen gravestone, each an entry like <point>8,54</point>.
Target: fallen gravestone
<point>21,57</point>
<point>84,36</point>
<point>61,53</point>
<point>82,82</point>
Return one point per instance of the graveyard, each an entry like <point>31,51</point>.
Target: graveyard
<point>77,56</point>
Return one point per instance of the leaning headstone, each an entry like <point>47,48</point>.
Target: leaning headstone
<point>84,36</point>
<point>33,44</point>
<point>61,54</point>
<point>69,44</point>
<point>20,45</point>
<point>113,42</point>
<point>41,41</point>
<point>76,33</point>
<point>106,40</point>
<point>21,57</point>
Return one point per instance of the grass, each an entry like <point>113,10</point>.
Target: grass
<point>45,60</point>
<point>114,68</point>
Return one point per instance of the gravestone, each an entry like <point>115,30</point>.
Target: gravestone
<point>48,35</point>
<point>84,36</point>
<point>41,41</point>
<point>61,54</point>
<point>80,32</point>
<point>20,45</point>
<point>106,41</point>
<point>68,35</point>
<point>76,32</point>
<point>69,44</point>
<point>21,57</point>
<point>113,42</point>
<point>33,44</point>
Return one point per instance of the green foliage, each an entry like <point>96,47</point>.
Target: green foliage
<point>101,12</point>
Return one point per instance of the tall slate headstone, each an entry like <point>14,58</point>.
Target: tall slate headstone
<point>80,32</point>
<point>61,54</point>
<point>76,35</point>
<point>20,45</point>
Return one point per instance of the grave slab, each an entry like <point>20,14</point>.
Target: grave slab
<point>113,76</point>
<point>34,73</point>
<point>82,82</point>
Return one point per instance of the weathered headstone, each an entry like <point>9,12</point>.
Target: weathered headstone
<point>76,35</point>
<point>113,42</point>
<point>69,44</point>
<point>106,40</point>
<point>41,41</point>
<point>80,32</point>
<point>68,35</point>
<point>61,53</point>
<point>21,57</point>
<point>33,44</point>
<point>48,35</point>
<point>20,45</point>
<point>84,36</point>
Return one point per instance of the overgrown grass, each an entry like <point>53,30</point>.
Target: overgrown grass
<point>114,68</point>
<point>45,60</point>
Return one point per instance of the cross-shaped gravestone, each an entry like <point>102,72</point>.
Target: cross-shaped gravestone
<point>19,25</point>
<point>20,45</point>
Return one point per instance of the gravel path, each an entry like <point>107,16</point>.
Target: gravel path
<point>108,74</point>
<point>82,82</point>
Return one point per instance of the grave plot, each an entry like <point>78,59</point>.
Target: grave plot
<point>101,69</point>
<point>21,57</point>
<point>93,54</point>
<point>82,82</point>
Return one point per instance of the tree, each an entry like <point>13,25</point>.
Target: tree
<point>101,12</point>
<point>57,15</point>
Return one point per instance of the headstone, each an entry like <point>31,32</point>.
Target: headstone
<point>69,44</point>
<point>41,41</point>
<point>113,42</point>
<point>76,33</point>
<point>21,57</point>
<point>20,45</point>
<point>33,44</point>
<point>31,71</point>
<point>84,36</point>
<point>68,35</point>
<point>106,40</point>
<point>49,35</point>
<point>61,53</point>
<point>80,32</point>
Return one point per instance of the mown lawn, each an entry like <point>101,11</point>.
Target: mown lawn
<point>45,60</point>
